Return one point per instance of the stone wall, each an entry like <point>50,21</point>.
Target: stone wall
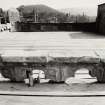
<point>33,27</point>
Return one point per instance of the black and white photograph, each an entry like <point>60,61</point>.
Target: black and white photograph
<point>52,52</point>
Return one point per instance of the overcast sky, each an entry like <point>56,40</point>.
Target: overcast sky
<point>57,4</point>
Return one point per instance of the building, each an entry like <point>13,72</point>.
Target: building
<point>101,18</point>
<point>14,17</point>
<point>53,20</point>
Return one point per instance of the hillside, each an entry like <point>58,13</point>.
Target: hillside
<point>38,8</point>
<point>44,14</point>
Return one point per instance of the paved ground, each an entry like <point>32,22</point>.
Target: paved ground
<point>73,35</point>
<point>44,43</point>
<point>85,35</point>
<point>11,100</point>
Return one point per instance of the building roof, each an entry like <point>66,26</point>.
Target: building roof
<point>101,4</point>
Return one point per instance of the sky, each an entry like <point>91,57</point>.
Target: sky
<point>57,4</point>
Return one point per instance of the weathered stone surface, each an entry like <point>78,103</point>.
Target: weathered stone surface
<point>61,56</point>
<point>57,66</point>
<point>25,59</point>
<point>54,71</point>
<point>46,57</point>
<point>14,74</point>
